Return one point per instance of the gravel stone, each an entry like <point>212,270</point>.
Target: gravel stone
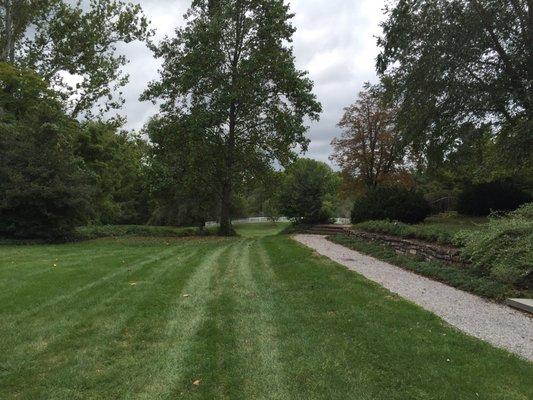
<point>495,323</point>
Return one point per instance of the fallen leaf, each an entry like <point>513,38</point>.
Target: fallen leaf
<point>197,382</point>
<point>186,295</point>
<point>133,283</point>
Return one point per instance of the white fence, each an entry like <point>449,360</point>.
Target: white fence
<point>256,220</point>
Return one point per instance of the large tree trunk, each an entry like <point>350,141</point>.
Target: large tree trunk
<point>530,63</point>
<point>8,51</point>
<point>226,229</point>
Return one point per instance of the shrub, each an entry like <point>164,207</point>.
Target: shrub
<point>391,203</point>
<point>430,233</point>
<point>504,250</point>
<point>99,231</point>
<point>308,192</point>
<point>44,187</point>
<point>484,198</point>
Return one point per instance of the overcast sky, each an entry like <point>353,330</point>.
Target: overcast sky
<point>335,42</point>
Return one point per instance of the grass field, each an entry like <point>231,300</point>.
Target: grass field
<point>254,317</point>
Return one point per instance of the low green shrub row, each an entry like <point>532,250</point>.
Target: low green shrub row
<point>94,232</point>
<point>504,250</point>
<point>468,280</point>
<point>430,233</point>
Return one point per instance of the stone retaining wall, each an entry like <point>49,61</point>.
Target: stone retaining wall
<point>418,248</point>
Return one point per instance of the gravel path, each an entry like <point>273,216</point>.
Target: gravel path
<point>498,324</point>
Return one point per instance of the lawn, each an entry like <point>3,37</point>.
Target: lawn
<point>254,317</point>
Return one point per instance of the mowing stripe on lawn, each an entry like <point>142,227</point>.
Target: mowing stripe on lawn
<point>72,325</point>
<point>214,356</point>
<point>169,364</point>
<point>258,337</point>
<point>99,282</point>
<point>84,353</point>
<point>19,281</point>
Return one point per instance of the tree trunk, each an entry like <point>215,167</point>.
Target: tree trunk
<point>8,52</point>
<point>225,217</point>
<point>530,63</point>
<point>226,228</point>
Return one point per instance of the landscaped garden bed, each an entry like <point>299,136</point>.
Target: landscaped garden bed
<point>492,259</point>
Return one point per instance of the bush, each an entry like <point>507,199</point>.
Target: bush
<point>504,250</point>
<point>430,233</point>
<point>308,192</point>
<point>44,187</point>
<point>99,231</point>
<point>484,198</point>
<point>391,203</point>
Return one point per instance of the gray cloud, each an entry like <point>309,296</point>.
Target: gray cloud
<point>335,42</point>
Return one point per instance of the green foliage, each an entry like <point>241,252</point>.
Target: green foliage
<point>183,172</point>
<point>394,203</point>
<point>504,250</point>
<point>309,192</point>
<point>59,38</point>
<point>230,71</point>
<point>43,184</point>
<point>428,233</point>
<point>458,277</point>
<point>115,161</point>
<point>271,210</point>
<point>443,229</point>
<point>99,231</point>
<point>455,95</point>
<point>485,198</point>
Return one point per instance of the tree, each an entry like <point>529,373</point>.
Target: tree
<point>451,63</point>
<point>308,192</point>
<point>116,163</point>
<point>370,149</point>
<point>44,187</point>
<point>67,42</point>
<point>231,71</point>
<point>184,183</point>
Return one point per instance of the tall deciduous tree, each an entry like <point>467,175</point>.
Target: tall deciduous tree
<point>370,149</point>
<point>456,62</point>
<point>73,45</point>
<point>231,70</point>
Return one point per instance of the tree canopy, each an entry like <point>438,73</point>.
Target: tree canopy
<point>73,46</point>
<point>231,71</point>
<point>44,188</point>
<point>461,62</point>
<point>308,191</point>
<point>371,149</point>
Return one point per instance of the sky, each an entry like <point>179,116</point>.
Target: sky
<point>335,42</point>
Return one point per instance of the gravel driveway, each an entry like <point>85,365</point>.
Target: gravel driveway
<point>498,324</point>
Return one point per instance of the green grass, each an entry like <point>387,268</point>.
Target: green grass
<point>453,275</point>
<point>253,317</point>
<point>442,229</point>
<point>260,229</point>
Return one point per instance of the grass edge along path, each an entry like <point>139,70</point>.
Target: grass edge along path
<point>452,275</point>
